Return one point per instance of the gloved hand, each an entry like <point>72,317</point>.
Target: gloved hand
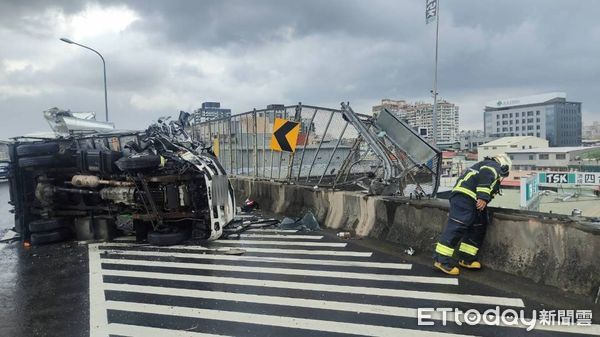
<point>481,204</point>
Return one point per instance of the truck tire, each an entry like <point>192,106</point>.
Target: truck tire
<point>166,238</point>
<point>57,235</point>
<point>45,225</point>
<point>37,149</point>
<point>138,163</point>
<point>46,161</point>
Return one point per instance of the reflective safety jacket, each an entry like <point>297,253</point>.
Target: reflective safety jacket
<point>480,181</point>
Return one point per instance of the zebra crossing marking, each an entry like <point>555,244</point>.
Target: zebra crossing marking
<point>281,243</point>
<point>386,292</point>
<point>259,250</point>
<point>287,271</point>
<point>249,258</point>
<point>271,320</point>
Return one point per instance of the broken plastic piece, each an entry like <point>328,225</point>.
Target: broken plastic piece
<point>344,235</point>
<point>410,251</point>
<point>308,223</point>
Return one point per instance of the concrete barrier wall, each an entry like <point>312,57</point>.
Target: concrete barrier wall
<point>549,249</point>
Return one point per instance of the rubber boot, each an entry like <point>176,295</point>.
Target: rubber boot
<point>470,265</point>
<point>447,269</point>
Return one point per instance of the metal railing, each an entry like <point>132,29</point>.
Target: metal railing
<point>335,148</point>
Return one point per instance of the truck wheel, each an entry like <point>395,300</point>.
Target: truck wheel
<point>138,163</point>
<point>37,149</point>
<point>45,225</point>
<point>166,238</point>
<point>57,235</point>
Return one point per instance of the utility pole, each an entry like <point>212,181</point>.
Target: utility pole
<point>65,40</point>
<point>435,74</point>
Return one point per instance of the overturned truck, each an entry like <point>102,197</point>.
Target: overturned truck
<point>89,181</point>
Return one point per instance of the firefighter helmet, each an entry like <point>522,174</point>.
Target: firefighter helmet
<point>505,163</point>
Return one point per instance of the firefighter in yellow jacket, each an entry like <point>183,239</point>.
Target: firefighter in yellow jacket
<point>468,219</point>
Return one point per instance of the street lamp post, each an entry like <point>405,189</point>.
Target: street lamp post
<point>103,67</point>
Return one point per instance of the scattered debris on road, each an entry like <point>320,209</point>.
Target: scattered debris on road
<point>307,223</point>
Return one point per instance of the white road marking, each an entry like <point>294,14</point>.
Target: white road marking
<point>341,263</point>
<point>257,230</point>
<point>435,296</point>
<point>98,318</point>
<point>270,320</point>
<point>257,250</point>
<point>281,236</point>
<point>281,243</point>
<point>144,331</point>
<point>288,271</point>
<point>325,305</point>
<point>125,238</point>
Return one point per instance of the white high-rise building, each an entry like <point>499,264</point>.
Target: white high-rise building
<point>419,116</point>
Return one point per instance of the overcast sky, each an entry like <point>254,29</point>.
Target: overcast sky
<point>166,56</point>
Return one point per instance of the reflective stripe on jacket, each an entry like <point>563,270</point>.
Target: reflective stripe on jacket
<point>480,181</point>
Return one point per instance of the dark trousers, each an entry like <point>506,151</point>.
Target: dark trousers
<point>464,232</point>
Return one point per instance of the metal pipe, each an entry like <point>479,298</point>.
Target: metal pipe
<point>320,144</point>
<point>333,153</point>
<point>264,141</point>
<point>230,140</point>
<point>281,152</point>
<point>305,143</point>
<point>297,118</point>
<point>255,138</point>
<point>371,139</point>
<point>271,174</point>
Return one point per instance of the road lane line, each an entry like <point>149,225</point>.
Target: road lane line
<point>325,305</point>
<point>270,320</point>
<point>287,271</point>
<point>98,316</point>
<point>145,331</point>
<point>258,230</point>
<point>125,238</point>
<point>254,250</point>
<point>281,243</point>
<point>340,263</point>
<point>425,295</point>
<point>281,236</point>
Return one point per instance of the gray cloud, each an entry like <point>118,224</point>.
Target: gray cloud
<point>251,53</point>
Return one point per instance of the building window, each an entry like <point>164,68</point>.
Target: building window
<point>523,121</point>
<point>493,147</point>
<point>537,127</point>
<point>511,157</point>
<point>538,135</point>
<point>530,156</point>
<point>543,156</point>
<point>537,112</point>
<point>517,121</point>
<point>529,127</point>
<point>560,156</point>
<point>510,129</point>
<point>516,128</point>
<point>537,120</point>
<point>523,114</point>
<point>497,129</point>
<point>514,146</point>
<point>510,114</point>
<point>529,113</point>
